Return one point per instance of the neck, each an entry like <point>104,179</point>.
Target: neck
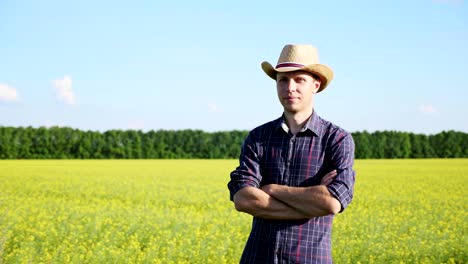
<point>296,121</point>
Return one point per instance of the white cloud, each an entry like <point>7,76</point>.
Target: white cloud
<point>427,109</point>
<point>8,93</point>
<point>63,87</point>
<point>214,108</point>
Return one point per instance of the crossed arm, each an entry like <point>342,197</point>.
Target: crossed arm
<point>275,201</point>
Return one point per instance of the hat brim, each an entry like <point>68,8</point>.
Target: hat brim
<point>324,72</point>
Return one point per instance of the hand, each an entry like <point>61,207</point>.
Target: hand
<point>328,178</point>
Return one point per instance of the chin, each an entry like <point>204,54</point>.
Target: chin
<point>291,110</point>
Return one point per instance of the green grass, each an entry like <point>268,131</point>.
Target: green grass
<point>178,211</point>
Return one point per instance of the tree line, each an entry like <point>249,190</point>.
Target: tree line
<point>68,143</point>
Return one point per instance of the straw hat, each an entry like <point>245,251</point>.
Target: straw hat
<point>300,57</point>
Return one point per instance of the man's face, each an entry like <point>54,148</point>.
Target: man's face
<point>296,91</point>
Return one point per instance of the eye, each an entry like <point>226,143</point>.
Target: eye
<point>300,80</point>
<point>282,79</point>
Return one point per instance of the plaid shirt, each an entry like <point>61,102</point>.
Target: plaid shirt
<point>271,154</point>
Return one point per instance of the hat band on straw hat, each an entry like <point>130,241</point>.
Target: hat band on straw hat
<point>289,64</point>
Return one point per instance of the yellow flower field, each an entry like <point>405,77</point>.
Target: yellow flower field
<point>178,211</point>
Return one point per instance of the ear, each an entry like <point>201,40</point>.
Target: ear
<point>317,84</point>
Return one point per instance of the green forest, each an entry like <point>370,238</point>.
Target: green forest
<point>68,143</point>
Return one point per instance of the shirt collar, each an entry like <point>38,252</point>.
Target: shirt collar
<point>312,124</point>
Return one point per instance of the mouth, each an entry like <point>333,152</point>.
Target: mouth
<point>290,98</point>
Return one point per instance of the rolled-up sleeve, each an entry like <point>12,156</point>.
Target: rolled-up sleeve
<point>342,186</point>
<point>248,171</point>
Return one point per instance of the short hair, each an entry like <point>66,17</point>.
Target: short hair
<point>315,76</point>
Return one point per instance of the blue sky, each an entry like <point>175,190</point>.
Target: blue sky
<point>149,65</point>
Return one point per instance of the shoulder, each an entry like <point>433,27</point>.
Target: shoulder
<point>333,132</point>
<point>265,129</point>
<point>260,135</point>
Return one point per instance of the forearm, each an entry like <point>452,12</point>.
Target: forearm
<point>258,203</point>
<point>310,201</point>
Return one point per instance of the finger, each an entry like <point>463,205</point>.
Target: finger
<point>326,182</point>
<point>330,175</point>
<point>328,178</point>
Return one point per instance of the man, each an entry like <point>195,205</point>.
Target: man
<point>295,172</point>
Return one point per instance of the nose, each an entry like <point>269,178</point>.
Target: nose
<point>291,86</point>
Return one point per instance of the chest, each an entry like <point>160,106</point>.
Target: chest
<point>294,160</point>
